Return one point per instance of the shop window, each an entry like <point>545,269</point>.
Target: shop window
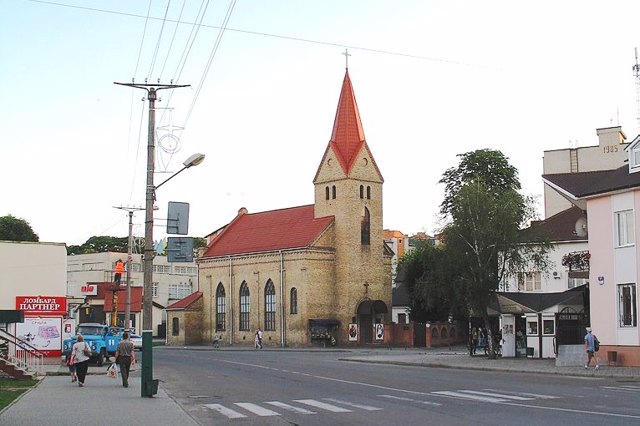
<point>627,309</point>
<point>175,327</point>
<point>548,327</point>
<point>244,307</point>
<point>221,308</point>
<point>293,300</point>
<point>269,307</point>
<point>532,327</point>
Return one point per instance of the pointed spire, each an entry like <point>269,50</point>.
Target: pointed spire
<point>347,137</point>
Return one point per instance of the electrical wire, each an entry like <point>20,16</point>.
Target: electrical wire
<point>211,56</point>
<point>144,32</point>
<point>175,31</point>
<point>155,53</point>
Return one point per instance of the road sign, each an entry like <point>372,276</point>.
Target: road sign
<point>180,249</point>
<point>178,218</point>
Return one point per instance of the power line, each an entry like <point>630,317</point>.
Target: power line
<point>155,53</point>
<point>283,37</point>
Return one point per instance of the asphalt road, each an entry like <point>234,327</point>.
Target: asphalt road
<point>317,388</point>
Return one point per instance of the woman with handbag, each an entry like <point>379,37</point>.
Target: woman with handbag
<point>80,355</point>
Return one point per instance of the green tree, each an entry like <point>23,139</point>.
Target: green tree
<point>16,229</point>
<point>102,244</point>
<point>432,284</point>
<point>485,214</point>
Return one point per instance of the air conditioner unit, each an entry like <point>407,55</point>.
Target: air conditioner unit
<point>557,275</point>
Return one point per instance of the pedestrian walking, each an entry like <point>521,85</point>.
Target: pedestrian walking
<point>125,356</point>
<point>72,368</point>
<point>216,340</point>
<point>80,355</point>
<point>592,345</point>
<point>258,340</point>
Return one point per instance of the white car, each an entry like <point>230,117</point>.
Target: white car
<point>136,340</point>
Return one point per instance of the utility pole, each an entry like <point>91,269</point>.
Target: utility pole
<point>127,315</point>
<point>148,384</point>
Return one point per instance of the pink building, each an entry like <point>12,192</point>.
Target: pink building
<point>611,199</point>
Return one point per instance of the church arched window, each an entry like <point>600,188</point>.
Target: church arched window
<point>361,191</point>
<point>365,228</point>
<point>221,308</point>
<point>269,306</point>
<point>293,300</point>
<point>368,192</point>
<point>333,189</point>
<point>245,309</point>
<point>326,192</point>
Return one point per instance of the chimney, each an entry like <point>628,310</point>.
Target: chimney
<point>611,136</point>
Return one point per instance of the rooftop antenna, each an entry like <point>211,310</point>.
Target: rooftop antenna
<point>636,75</point>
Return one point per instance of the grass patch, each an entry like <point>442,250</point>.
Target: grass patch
<point>11,389</point>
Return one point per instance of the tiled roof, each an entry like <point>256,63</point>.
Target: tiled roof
<point>294,227</point>
<point>186,302</point>
<point>347,137</point>
<point>561,226</point>
<point>585,184</point>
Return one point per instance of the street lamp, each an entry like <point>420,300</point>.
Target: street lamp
<point>148,385</point>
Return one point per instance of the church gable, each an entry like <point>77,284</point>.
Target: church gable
<point>365,167</point>
<point>330,168</point>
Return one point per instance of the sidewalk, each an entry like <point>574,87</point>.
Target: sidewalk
<point>103,401</point>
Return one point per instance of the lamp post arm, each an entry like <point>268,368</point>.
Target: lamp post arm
<point>170,177</point>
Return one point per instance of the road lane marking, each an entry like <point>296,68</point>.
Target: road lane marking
<point>288,407</point>
<point>256,409</point>
<point>403,398</point>
<point>535,395</point>
<point>225,411</point>
<point>460,395</point>
<point>499,395</point>
<point>323,405</point>
<point>354,405</point>
<point>570,410</point>
<point>622,388</point>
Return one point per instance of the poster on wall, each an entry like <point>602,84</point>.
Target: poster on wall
<point>44,334</point>
<point>353,332</point>
<point>379,331</point>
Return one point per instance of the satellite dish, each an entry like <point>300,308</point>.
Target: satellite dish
<point>581,227</point>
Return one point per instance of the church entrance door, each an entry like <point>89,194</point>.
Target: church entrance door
<point>366,329</point>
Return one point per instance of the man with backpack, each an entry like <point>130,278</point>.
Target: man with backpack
<point>592,345</point>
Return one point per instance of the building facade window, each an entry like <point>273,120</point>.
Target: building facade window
<point>175,327</point>
<point>333,192</point>
<point>529,281</point>
<point>162,269</point>
<point>365,228</point>
<point>245,308</point>
<point>135,267</point>
<point>368,192</point>
<point>293,301</point>
<point>180,290</point>
<point>221,308</point>
<point>624,228</point>
<point>627,309</point>
<point>361,191</point>
<point>154,290</point>
<point>269,306</point>
<point>326,192</point>
<point>402,318</point>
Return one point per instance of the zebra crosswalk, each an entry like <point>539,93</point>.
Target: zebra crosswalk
<point>239,410</point>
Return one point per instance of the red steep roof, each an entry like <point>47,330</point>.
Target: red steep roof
<point>295,227</point>
<point>186,302</point>
<point>347,137</point>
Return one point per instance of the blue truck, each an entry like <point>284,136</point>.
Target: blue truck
<point>102,339</point>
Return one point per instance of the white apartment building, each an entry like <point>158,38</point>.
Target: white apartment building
<point>89,277</point>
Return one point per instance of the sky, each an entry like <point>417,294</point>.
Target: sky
<point>432,78</point>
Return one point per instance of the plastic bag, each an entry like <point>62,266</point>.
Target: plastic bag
<point>112,371</point>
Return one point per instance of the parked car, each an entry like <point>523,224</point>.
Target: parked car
<point>136,340</point>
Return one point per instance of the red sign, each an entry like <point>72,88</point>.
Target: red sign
<point>89,290</point>
<point>42,305</point>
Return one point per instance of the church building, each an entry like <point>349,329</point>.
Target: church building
<point>312,274</point>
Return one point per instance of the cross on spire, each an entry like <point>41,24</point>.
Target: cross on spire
<point>346,58</point>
